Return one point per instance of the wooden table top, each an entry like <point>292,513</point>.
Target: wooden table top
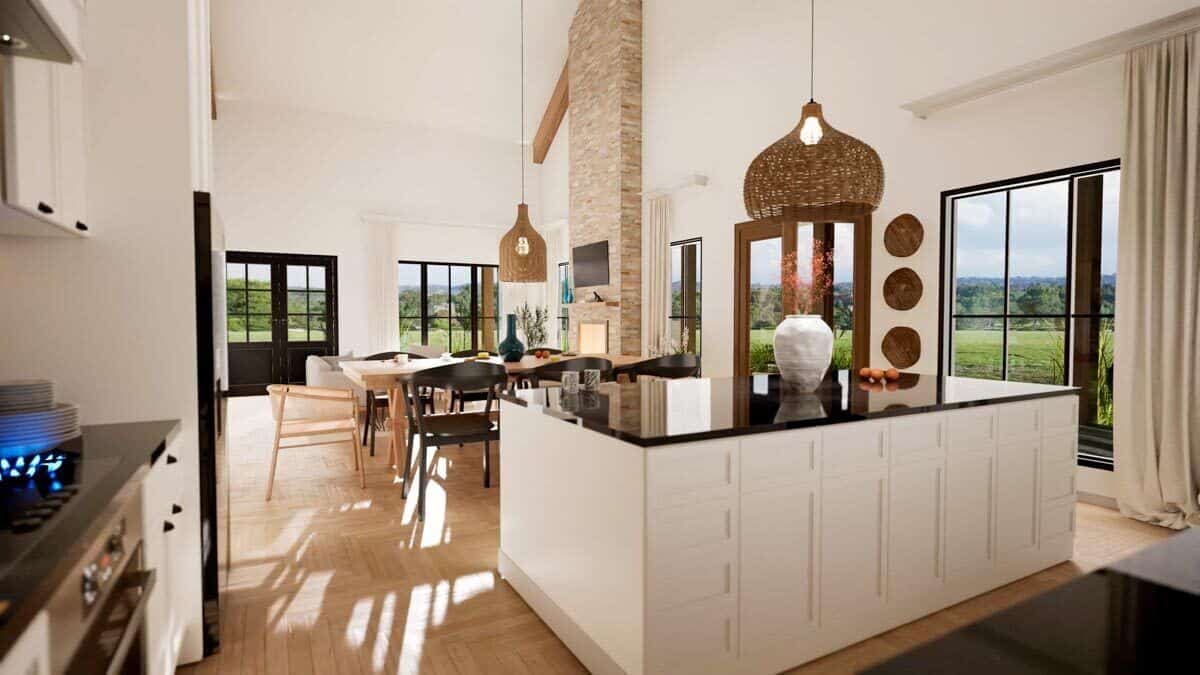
<point>382,374</point>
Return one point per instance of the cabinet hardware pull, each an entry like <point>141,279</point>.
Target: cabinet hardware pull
<point>171,459</point>
<point>81,226</point>
<point>176,509</point>
<point>168,526</point>
<point>45,208</point>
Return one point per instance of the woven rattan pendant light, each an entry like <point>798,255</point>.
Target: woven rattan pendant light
<point>522,249</point>
<point>815,173</point>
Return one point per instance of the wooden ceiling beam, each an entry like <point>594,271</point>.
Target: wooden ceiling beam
<point>556,109</point>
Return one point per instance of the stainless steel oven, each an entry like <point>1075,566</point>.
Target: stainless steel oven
<point>97,614</point>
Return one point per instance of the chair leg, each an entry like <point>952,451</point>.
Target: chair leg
<point>370,413</point>
<point>274,459</point>
<point>372,440</point>
<point>487,464</point>
<point>421,484</point>
<point>359,462</point>
<point>407,468</point>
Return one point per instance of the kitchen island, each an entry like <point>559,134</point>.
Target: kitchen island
<point>733,525</point>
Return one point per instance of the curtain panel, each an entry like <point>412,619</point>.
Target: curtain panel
<point>658,278</point>
<point>1157,339</point>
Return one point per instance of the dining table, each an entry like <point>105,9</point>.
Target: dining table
<point>394,377</point>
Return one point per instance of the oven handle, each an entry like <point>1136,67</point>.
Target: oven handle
<point>146,580</point>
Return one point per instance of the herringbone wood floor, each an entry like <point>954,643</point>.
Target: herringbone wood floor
<point>330,578</point>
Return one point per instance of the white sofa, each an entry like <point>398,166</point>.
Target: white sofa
<point>326,371</point>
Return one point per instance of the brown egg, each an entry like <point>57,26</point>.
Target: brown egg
<point>864,372</point>
<point>876,373</point>
<point>878,386</point>
<point>891,374</point>
<point>893,386</point>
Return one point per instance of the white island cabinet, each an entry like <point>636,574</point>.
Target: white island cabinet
<point>650,548</point>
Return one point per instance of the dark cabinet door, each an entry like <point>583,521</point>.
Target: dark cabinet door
<point>281,309</point>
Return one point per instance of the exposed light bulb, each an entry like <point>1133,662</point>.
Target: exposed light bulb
<point>810,130</point>
<point>522,246</point>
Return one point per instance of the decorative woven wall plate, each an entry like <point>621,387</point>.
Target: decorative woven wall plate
<point>903,235</point>
<point>902,346</point>
<point>902,289</point>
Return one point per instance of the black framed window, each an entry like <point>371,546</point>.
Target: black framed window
<point>686,282</point>
<point>1030,288</point>
<point>248,302</point>
<point>565,297</point>
<point>452,306</point>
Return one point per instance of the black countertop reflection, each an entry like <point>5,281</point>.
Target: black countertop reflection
<point>1138,616</point>
<point>653,412</point>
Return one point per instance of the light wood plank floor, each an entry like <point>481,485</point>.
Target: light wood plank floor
<point>330,578</point>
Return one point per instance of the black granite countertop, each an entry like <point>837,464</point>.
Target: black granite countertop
<point>1137,616</point>
<point>32,563</point>
<point>653,412</point>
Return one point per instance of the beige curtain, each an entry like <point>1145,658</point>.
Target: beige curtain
<point>1157,340</point>
<point>383,310</point>
<point>658,278</point>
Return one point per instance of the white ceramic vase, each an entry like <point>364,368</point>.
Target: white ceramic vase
<point>803,350</point>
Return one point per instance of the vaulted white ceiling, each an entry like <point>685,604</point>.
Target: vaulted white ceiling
<point>444,64</point>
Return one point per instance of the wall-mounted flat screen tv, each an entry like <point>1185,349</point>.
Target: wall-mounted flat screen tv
<point>590,264</point>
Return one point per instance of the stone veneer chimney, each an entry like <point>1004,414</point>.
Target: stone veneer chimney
<point>605,77</point>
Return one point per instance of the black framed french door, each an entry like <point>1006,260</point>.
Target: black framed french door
<point>281,308</point>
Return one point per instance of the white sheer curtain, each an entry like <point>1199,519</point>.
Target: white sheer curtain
<point>383,310</point>
<point>1157,340</point>
<point>658,277</point>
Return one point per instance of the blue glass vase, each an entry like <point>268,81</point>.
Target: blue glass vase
<point>511,348</point>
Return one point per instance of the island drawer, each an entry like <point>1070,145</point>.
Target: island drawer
<point>1058,481</point>
<point>681,527</point>
<point>1020,420</point>
<point>917,437</point>
<point>1058,520</point>
<point>852,446</point>
<point>779,458</point>
<point>1061,447</point>
<point>691,473</point>
<point>1061,413</point>
<point>699,638</point>
<point>680,577</point>
<point>971,429</point>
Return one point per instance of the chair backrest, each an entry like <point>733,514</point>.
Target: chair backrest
<point>388,356</point>
<point>554,371</point>
<point>299,402</point>
<point>465,376</point>
<point>464,353</point>
<point>672,366</point>
<point>530,352</point>
<point>425,351</point>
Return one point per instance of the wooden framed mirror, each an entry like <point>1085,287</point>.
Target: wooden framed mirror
<point>761,300</point>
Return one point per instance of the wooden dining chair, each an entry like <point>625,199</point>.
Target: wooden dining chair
<point>313,412</point>
<point>454,428</point>
<point>670,367</point>
<point>553,371</point>
<point>377,402</point>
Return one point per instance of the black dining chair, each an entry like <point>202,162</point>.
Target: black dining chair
<point>465,353</point>
<point>459,399</point>
<point>671,367</point>
<point>454,428</point>
<point>378,401</point>
<point>553,371</point>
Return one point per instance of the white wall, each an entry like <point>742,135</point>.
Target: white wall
<point>112,319</point>
<point>297,181</point>
<point>723,80</point>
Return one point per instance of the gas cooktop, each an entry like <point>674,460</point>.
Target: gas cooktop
<point>36,488</point>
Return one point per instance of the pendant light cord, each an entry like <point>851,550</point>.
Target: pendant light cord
<point>812,47</point>
<point>522,101</point>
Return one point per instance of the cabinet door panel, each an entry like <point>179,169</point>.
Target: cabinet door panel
<point>850,446</point>
<point>72,144</point>
<point>969,482</point>
<point>778,570</point>
<point>853,544</point>
<point>696,638</point>
<point>781,458</point>
<point>692,473</point>
<point>915,521</point>
<point>1016,497</point>
<point>30,137</point>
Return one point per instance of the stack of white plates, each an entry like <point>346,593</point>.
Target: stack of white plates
<point>26,395</point>
<point>40,429</point>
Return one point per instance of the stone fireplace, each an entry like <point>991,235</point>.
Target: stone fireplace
<point>605,80</point>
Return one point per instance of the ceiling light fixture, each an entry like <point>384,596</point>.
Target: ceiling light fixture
<point>815,173</point>
<point>522,249</point>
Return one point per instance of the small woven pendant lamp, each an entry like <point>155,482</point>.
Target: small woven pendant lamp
<point>815,173</point>
<point>522,249</point>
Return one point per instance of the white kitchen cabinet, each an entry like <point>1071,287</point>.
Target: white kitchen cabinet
<point>969,513</point>
<point>163,554</point>
<point>915,559</point>
<point>1017,498</point>
<point>853,545</point>
<point>44,149</point>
